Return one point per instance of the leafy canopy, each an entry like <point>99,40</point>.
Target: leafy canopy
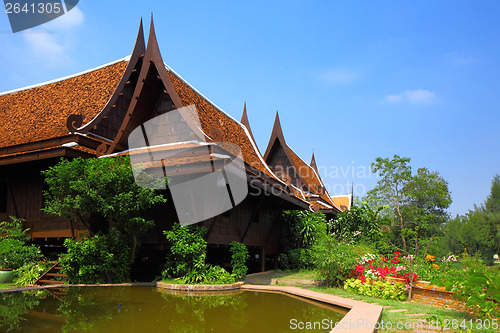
<point>417,202</point>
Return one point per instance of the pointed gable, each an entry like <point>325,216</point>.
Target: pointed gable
<point>246,123</point>
<point>292,169</point>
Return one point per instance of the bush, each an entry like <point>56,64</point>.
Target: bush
<point>14,252</point>
<point>98,259</point>
<point>30,272</point>
<point>187,251</point>
<point>379,289</point>
<point>302,231</point>
<point>474,283</point>
<point>239,258</point>
<point>337,260</point>
<point>298,258</point>
<point>208,274</point>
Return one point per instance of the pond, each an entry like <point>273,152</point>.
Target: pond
<point>148,309</point>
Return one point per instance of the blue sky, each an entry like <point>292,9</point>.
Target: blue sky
<point>351,80</point>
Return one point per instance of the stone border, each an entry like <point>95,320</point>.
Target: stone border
<point>360,318</point>
<point>199,287</point>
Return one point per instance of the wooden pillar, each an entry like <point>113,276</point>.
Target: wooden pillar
<point>263,260</point>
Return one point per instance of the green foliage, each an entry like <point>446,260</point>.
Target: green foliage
<point>186,260</point>
<point>14,252</point>
<point>103,258</point>
<point>475,283</point>
<point>208,274</point>
<point>337,259</point>
<point>360,224</point>
<point>298,259</point>
<point>99,192</point>
<point>14,229</point>
<point>187,251</point>
<point>239,259</point>
<point>30,272</point>
<point>478,231</point>
<point>417,202</point>
<point>379,289</point>
<point>302,231</point>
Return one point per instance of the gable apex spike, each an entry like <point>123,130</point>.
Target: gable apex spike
<point>140,44</point>
<point>246,123</point>
<point>313,163</point>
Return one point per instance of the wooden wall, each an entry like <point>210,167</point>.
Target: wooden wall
<point>25,200</point>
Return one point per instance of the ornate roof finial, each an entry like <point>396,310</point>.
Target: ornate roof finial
<point>313,163</point>
<point>244,121</point>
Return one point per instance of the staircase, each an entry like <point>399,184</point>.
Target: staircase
<point>49,277</point>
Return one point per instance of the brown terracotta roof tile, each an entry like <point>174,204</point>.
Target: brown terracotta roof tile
<point>311,178</point>
<point>41,112</point>
<point>342,201</point>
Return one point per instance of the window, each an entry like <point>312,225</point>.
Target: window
<point>3,196</point>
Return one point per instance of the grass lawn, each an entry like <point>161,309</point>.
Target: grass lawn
<point>416,312</point>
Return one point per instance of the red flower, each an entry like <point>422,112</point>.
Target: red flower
<point>395,260</point>
<point>384,258</point>
<point>397,253</point>
<point>362,278</point>
<point>359,269</point>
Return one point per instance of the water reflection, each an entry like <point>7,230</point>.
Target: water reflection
<point>145,309</point>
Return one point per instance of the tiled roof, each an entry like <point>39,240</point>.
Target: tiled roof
<point>41,112</point>
<point>308,174</point>
<point>210,115</point>
<point>342,201</point>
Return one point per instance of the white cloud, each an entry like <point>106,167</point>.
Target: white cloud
<point>50,43</point>
<point>340,75</point>
<point>394,98</point>
<point>459,59</point>
<point>70,20</point>
<point>44,44</point>
<point>417,96</point>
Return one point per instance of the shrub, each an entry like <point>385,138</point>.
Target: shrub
<point>98,259</point>
<point>208,274</point>
<point>475,283</point>
<point>379,289</point>
<point>187,251</point>
<point>337,260</point>
<point>302,231</point>
<point>30,272</point>
<point>239,258</point>
<point>14,252</point>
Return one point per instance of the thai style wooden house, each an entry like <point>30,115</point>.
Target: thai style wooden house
<point>91,114</point>
<point>302,177</point>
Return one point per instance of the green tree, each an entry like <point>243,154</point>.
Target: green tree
<point>417,202</point>
<point>101,193</point>
<point>428,197</point>
<point>478,231</point>
<point>395,175</point>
